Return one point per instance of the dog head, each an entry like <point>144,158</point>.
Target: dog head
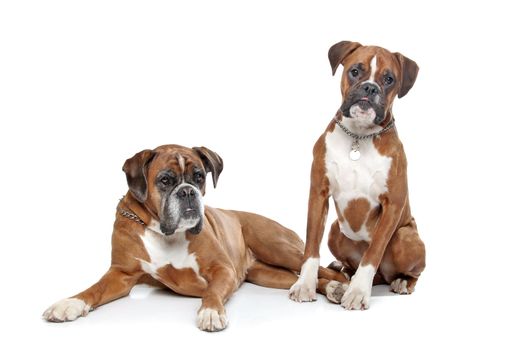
<point>372,78</point>
<point>170,182</point>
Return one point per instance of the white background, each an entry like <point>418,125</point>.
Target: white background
<point>85,85</point>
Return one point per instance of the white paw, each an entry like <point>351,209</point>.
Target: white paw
<point>302,291</point>
<point>66,310</point>
<point>210,320</point>
<point>399,286</point>
<point>356,298</point>
<point>335,291</point>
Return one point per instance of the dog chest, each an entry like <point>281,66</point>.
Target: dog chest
<point>167,250</point>
<point>350,180</point>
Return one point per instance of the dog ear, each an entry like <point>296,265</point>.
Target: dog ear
<point>212,162</point>
<point>409,71</point>
<point>136,169</point>
<point>339,51</point>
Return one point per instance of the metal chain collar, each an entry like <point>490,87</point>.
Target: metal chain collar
<point>364,137</point>
<point>131,215</point>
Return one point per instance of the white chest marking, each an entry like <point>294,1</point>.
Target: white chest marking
<point>167,250</point>
<point>364,178</point>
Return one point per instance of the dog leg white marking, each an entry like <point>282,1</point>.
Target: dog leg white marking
<point>304,288</point>
<point>399,286</point>
<point>357,296</point>
<point>335,291</point>
<point>66,310</point>
<point>211,321</point>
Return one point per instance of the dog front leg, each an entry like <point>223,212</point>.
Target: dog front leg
<point>305,287</point>
<point>221,284</point>
<point>357,296</point>
<point>113,285</point>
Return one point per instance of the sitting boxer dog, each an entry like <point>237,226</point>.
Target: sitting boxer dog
<point>164,233</point>
<point>360,162</point>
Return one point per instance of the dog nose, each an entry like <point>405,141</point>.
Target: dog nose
<point>370,89</point>
<point>186,191</point>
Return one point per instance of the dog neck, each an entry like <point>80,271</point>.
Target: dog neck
<point>143,213</point>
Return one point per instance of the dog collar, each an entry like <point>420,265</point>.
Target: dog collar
<point>130,215</point>
<point>355,154</point>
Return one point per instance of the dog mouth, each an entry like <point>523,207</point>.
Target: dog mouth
<point>361,109</point>
<point>364,104</point>
<point>354,108</point>
<point>191,223</point>
<point>184,219</point>
<point>190,212</point>
<point>365,110</point>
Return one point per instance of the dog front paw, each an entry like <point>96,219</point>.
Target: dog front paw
<point>210,320</point>
<point>356,298</point>
<point>302,291</point>
<point>66,310</point>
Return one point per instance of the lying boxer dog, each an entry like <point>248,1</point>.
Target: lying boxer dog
<point>360,162</point>
<point>164,233</point>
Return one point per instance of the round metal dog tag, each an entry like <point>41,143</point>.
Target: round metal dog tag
<point>355,154</point>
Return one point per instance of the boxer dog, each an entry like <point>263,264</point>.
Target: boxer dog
<point>360,162</point>
<point>163,234</point>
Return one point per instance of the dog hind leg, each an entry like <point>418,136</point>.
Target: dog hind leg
<point>269,276</point>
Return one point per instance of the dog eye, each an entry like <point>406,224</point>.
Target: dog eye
<point>354,72</point>
<point>388,80</point>
<point>198,177</point>
<point>165,180</point>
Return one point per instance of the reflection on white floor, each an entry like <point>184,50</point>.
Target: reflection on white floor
<point>251,305</point>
